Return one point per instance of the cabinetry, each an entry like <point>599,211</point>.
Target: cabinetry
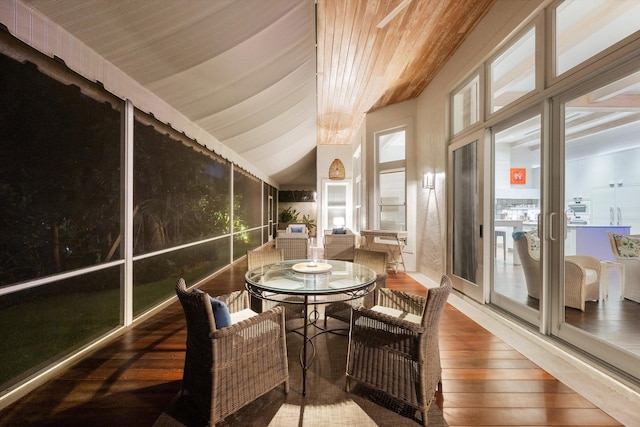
<point>612,184</point>
<point>605,171</point>
<point>616,206</point>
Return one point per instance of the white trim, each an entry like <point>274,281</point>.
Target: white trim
<point>126,303</point>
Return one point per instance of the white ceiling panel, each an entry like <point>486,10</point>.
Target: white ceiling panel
<point>264,106</point>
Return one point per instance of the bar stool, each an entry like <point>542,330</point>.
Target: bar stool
<point>503,234</point>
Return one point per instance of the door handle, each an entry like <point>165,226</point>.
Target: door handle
<point>619,216</point>
<point>611,215</point>
<point>551,236</point>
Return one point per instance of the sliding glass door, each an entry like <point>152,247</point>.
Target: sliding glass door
<point>600,155</point>
<point>517,279</point>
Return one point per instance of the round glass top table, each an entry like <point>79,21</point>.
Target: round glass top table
<point>308,281</point>
<point>345,280</point>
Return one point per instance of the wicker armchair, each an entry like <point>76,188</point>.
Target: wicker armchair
<point>581,272</point>
<point>293,245</point>
<point>224,369</point>
<point>394,348</point>
<point>339,246</point>
<point>377,261</point>
<point>260,257</point>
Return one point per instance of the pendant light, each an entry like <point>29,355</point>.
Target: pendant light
<point>336,170</point>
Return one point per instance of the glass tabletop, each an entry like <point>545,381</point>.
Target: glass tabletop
<point>313,277</point>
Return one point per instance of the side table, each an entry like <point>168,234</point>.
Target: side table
<point>605,266</point>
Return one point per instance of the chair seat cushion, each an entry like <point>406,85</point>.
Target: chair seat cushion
<point>241,315</point>
<point>591,276</point>
<point>397,313</point>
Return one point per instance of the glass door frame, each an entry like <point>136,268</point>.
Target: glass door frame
<point>559,328</point>
<point>528,314</point>
<point>476,290</point>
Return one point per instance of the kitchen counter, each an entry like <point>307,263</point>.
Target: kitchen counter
<point>593,240</point>
<point>582,239</point>
<point>598,226</point>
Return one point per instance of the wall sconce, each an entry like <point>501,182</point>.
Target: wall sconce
<point>429,180</point>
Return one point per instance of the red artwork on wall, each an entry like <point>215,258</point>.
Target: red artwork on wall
<point>518,176</point>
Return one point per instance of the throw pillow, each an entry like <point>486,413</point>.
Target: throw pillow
<point>627,246</point>
<point>296,229</point>
<point>517,235</point>
<point>220,311</point>
<point>339,231</point>
<point>534,243</point>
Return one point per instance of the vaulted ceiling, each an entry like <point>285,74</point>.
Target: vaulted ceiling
<point>273,79</point>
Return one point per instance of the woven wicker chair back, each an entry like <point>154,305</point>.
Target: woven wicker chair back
<point>258,258</point>
<point>436,300</point>
<point>199,354</point>
<point>375,260</point>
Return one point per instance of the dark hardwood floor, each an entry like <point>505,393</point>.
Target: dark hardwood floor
<point>611,319</point>
<point>130,381</point>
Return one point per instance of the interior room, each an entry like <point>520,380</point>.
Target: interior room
<point>158,154</point>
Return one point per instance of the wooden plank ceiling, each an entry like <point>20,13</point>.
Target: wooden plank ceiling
<point>374,53</point>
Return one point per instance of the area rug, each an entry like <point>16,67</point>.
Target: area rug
<point>326,402</point>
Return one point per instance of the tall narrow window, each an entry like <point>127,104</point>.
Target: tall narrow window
<point>336,204</point>
<point>392,201</point>
<point>357,191</point>
<point>392,180</point>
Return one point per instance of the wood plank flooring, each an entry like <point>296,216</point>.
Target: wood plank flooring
<point>132,380</point>
<point>612,320</point>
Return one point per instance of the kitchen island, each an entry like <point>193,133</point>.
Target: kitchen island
<point>592,240</point>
